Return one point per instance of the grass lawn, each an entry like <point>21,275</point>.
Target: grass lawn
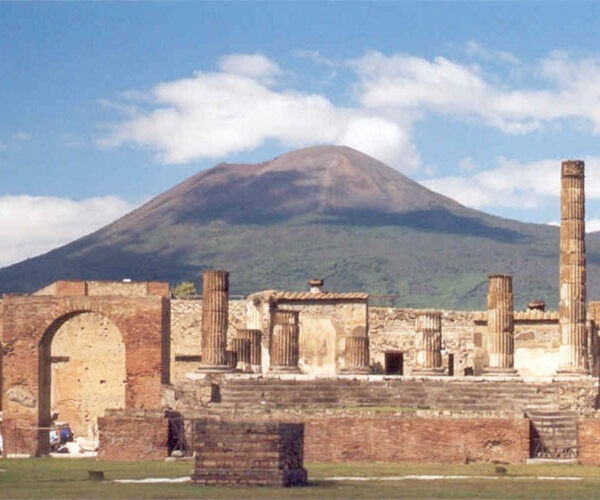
<point>68,478</point>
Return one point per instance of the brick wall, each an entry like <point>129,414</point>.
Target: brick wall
<point>132,438</point>
<point>589,441</point>
<point>390,439</point>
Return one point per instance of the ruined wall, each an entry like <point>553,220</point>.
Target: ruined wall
<point>29,324</point>
<point>88,371</point>
<point>339,439</point>
<point>464,334</point>
<point>186,327</point>
<point>323,330</point>
<point>133,436</point>
<point>393,440</point>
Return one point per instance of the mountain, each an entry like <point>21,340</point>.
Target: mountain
<point>326,211</point>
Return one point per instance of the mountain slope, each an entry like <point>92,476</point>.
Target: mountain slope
<point>325,211</point>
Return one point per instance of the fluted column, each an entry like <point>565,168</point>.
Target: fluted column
<point>284,341</point>
<point>573,334</point>
<point>428,344</point>
<point>254,339</point>
<point>241,346</point>
<point>356,355</point>
<point>215,305</point>
<point>500,326</point>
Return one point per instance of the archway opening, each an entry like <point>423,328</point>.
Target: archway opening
<point>82,373</point>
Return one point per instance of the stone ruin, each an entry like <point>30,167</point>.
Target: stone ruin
<point>307,358</point>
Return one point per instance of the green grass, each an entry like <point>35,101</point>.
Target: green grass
<point>64,478</point>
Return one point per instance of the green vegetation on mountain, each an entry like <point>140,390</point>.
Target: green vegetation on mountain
<point>329,212</point>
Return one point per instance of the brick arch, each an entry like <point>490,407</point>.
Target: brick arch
<point>47,383</point>
<point>28,323</point>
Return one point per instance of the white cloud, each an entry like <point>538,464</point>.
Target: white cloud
<point>31,225</point>
<point>512,184</point>
<point>592,225</point>
<point>570,90</point>
<point>316,57</point>
<point>251,65</point>
<point>476,49</point>
<point>216,114</point>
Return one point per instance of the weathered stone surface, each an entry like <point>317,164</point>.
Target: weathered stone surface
<point>215,319</point>
<point>250,453</point>
<point>29,327</point>
<point>131,437</point>
<point>500,323</point>
<point>439,440</point>
<point>428,343</point>
<point>284,343</point>
<point>572,283</point>
<point>20,395</point>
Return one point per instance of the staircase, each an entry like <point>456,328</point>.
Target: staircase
<point>554,434</point>
<point>451,394</point>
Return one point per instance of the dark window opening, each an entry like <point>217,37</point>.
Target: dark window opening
<point>394,363</point>
<point>450,364</point>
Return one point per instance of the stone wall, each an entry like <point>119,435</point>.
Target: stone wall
<point>29,326</point>
<point>393,440</point>
<point>88,371</point>
<point>186,327</point>
<point>464,334</point>
<point>133,436</point>
<point>248,453</point>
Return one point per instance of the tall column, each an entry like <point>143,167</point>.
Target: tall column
<point>500,326</point>
<point>573,337</point>
<point>215,306</point>
<point>254,338</point>
<point>356,355</point>
<point>428,344</point>
<point>284,341</point>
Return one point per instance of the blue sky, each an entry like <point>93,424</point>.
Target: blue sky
<point>104,105</point>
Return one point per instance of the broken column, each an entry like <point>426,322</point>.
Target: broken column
<point>254,339</point>
<point>356,355</point>
<point>428,344</point>
<point>500,326</point>
<point>285,341</point>
<point>241,346</point>
<point>215,308</point>
<point>573,334</point>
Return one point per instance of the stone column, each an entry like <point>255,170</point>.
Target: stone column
<point>500,326</point>
<point>356,355</point>
<point>242,347</point>
<point>284,341</point>
<point>428,344</point>
<point>215,309</point>
<point>254,339</point>
<point>573,335</point>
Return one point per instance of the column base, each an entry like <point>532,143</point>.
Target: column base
<point>428,372</point>
<point>284,369</point>
<point>571,371</point>
<point>355,370</point>
<point>490,371</point>
<point>215,369</point>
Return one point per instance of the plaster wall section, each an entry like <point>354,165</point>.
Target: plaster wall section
<point>88,371</point>
<point>464,334</point>
<point>186,333</point>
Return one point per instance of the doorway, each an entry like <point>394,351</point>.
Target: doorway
<point>394,363</point>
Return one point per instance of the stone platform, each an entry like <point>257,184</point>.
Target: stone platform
<point>248,453</point>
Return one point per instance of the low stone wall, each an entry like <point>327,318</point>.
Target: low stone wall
<point>249,453</point>
<point>589,441</point>
<point>133,436</point>
<point>441,440</point>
